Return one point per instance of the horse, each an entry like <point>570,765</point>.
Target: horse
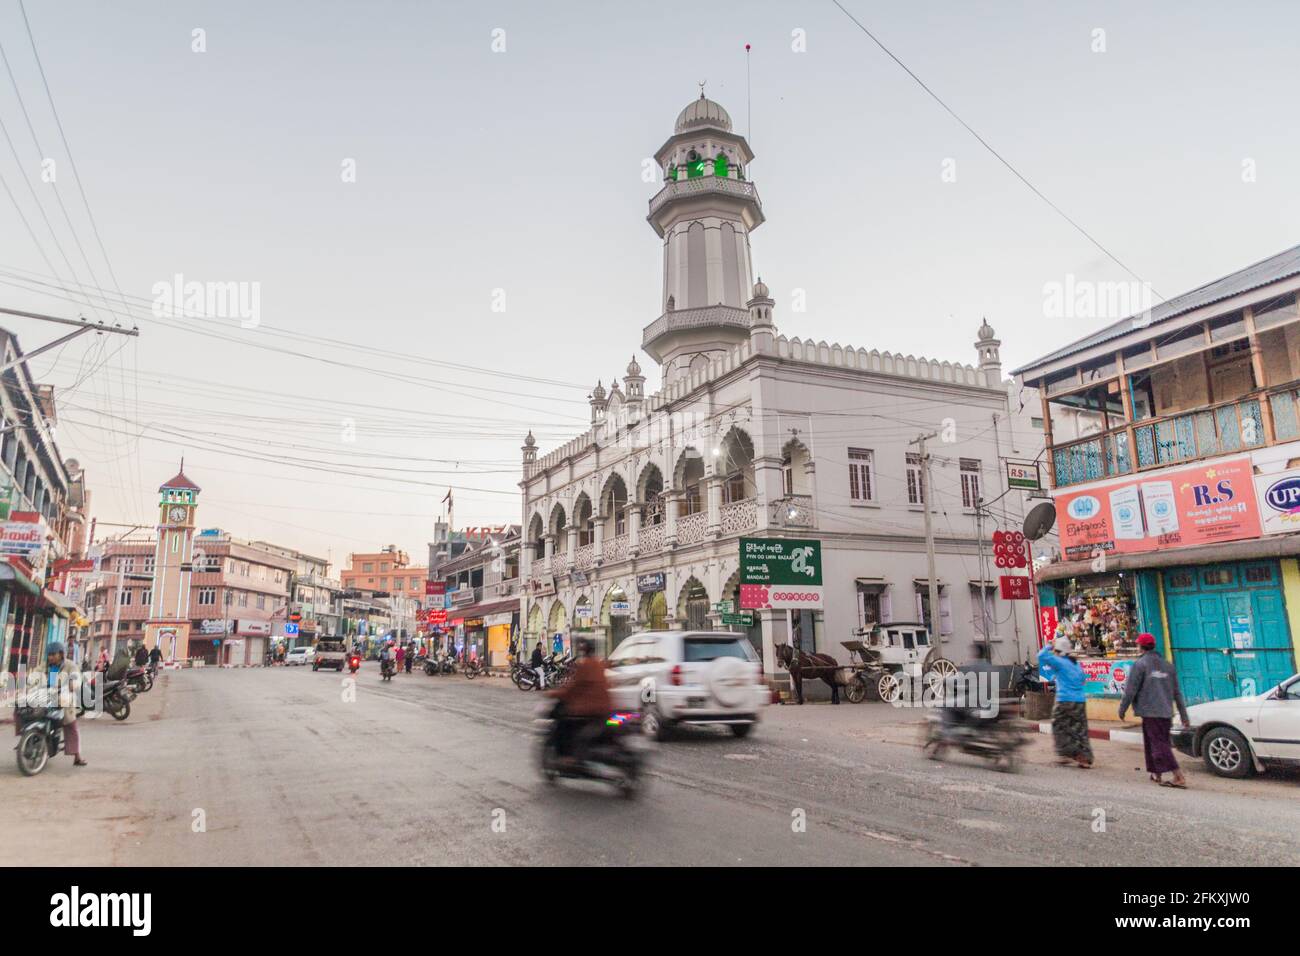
<point>815,666</point>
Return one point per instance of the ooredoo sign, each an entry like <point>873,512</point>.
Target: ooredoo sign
<point>780,573</point>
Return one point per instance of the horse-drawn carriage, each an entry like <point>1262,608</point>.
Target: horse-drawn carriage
<point>886,655</point>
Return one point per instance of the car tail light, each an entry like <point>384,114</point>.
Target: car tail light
<point>676,675</point>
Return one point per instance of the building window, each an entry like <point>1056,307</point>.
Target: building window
<point>146,596</point>
<point>148,564</point>
<point>915,484</point>
<point>970,483</point>
<point>383,584</point>
<point>126,564</point>
<point>1035,422</point>
<point>207,596</point>
<point>983,615</point>
<point>923,608</point>
<point>862,482</point>
<point>368,566</point>
<point>124,596</point>
<point>243,599</point>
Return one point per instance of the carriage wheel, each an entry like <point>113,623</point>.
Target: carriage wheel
<point>856,689</point>
<point>939,671</point>
<point>890,688</point>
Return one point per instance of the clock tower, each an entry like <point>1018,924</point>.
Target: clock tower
<point>168,627</point>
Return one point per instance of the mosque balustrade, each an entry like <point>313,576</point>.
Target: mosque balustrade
<point>737,517</point>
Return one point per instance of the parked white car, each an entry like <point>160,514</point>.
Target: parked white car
<point>298,655</point>
<point>688,677</point>
<point>1240,735</point>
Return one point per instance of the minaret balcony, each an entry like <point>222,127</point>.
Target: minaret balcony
<point>703,187</point>
<point>711,316</point>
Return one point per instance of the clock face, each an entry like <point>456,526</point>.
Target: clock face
<point>177,514</point>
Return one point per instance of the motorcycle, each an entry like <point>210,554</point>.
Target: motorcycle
<point>447,664</point>
<point>354,661</point>
<point>40,737</point>
<point>116,696</point>
<point>473,668</point>
<point>615,755</point>
<point>386,670</point>
<point>138,680</point>
<point>997,739</point>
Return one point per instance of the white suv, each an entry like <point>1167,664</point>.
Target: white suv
<point>688,677</point>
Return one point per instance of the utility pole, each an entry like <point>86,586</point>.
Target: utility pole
<point>936,639</point>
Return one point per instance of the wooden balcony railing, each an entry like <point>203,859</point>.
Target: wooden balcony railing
<point>1204,433</point>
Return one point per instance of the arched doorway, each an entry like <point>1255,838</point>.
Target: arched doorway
<point>583,620</point>
<point>618,626</point>
<point>654,611</point>
<point>693,606</point>
<point>731,592</point>
<point>555,626</point>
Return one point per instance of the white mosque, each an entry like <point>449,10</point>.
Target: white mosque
<point>637,522</point>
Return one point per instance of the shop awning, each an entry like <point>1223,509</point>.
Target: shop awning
<point>482,610</point>
<point>1282,546</point>
<point>13,576</point>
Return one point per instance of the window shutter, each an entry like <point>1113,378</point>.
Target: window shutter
<point>945,614</point>
<point>886,605</point>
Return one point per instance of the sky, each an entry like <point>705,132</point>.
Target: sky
<point>441,209</point>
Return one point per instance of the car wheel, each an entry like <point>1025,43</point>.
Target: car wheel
<point>1227,753</point>
<point>653,723</point>
<point>741,730</point>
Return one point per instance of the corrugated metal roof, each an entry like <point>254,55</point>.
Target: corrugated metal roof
<point>1284,265</point>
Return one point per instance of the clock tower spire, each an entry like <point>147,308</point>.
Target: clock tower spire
<point>168,627</point>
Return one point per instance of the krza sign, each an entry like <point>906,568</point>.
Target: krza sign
<point>780,573</point>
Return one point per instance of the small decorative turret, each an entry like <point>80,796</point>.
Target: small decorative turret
<point>990,360</point>
<point>529,448</point>
<point>598,402</point>
<point>634,381</point>
<point>762,330</point>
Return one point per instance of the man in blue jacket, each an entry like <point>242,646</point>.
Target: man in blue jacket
<point>1070,715</point>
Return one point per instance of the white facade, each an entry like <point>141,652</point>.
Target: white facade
<point>757,434</point>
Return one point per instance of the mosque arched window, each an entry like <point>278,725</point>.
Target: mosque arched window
<point>721,166</point>
<point>694,165</point>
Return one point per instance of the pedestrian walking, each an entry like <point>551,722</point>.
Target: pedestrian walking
<point>155,655</point>
<point>409,659</point>
<point>141,655</point>
<point>1152,691</point>
<point>401,656</point>
<point>1070,714</point>
<point>63,679</point>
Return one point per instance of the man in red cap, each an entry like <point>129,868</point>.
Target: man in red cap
<point>1152,691</point>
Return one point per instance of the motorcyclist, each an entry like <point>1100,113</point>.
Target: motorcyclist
<point>63,679</point>
<point>963,705</point>
<point>585,704</point>
<point>536,664</point>
<point>386,658</point>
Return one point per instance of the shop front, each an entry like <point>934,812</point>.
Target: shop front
<point>1191,555</point>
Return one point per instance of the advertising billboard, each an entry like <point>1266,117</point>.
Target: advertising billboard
<point>780,573</point>
<point>1178,508</point>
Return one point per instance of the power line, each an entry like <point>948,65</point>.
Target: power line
<point>998,156</point>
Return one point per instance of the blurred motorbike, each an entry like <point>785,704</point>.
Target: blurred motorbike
<point>615,753</point>
<point>997,738</point>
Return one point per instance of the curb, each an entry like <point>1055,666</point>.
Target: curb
<point>1118,736</point>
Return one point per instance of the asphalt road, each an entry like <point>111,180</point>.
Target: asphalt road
<point>276,767</point>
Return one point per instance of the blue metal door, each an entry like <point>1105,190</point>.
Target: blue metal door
<point>1228,629</point>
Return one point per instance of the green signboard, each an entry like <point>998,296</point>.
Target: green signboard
<point>742,619</point>
<point>780,561</point>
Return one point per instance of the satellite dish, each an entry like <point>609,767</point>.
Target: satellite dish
<point>1040,520</point>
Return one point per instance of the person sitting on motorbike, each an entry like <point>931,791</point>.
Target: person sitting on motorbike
<point>385,658</point>
<point>536,664</point>
<point>585,703</point>
<point>963,698</point>
<point>63,679</point>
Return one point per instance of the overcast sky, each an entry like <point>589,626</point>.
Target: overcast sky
<point>1170,137</point>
